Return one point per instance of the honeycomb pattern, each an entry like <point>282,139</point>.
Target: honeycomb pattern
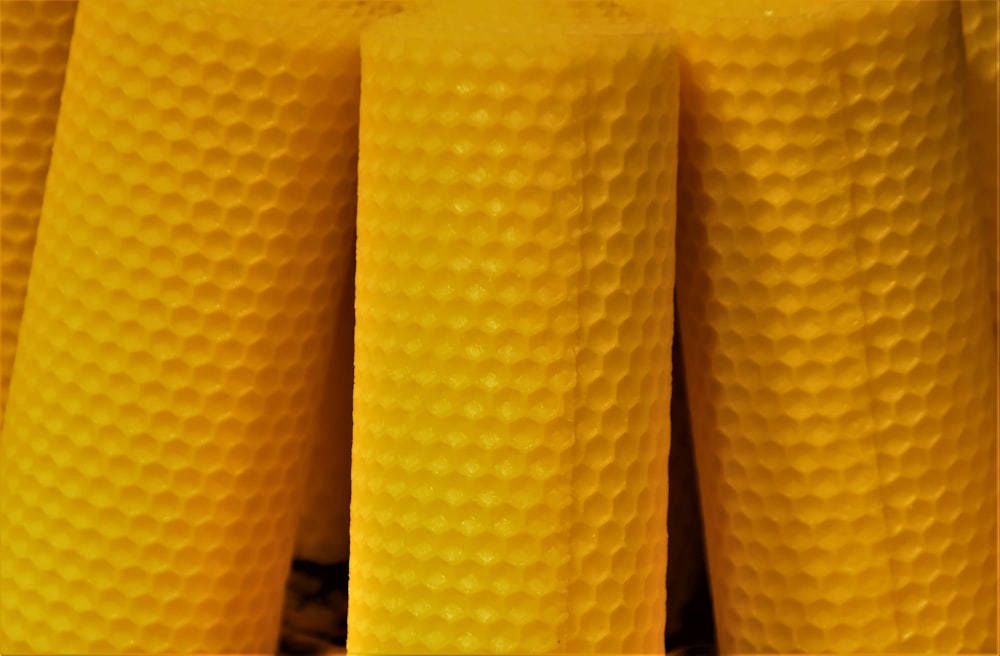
<point>322,535</point>
<point>981,26</point>
<point>514,323</point>
<point>33,53</point>
<point>837,343</point>
<point>193,251</point>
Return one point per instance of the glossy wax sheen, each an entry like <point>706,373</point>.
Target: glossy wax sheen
<point>514,324</point>
<point>33,53</point>
<point>834,314</point>
<point>173,369</point>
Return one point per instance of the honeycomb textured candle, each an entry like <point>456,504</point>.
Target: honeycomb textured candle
<point>322,535</point>
<point>193,244</point>
<point>33,53</point>
<point>837,341</point>
<point>981,24</point>
<point>514,322</point>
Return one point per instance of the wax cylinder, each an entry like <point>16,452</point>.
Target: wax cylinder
<point>322,535</point>
<point>981,28</point>
<point>192,251</point>
<point>33,53</point>
<point>514,322</point>
<point>316,591</point>
<point>837,342</point>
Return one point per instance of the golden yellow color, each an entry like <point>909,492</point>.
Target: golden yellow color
<point>514,324</point>
<point>838,346</point>
<point>34,46</point>
<point>322,535</point>
<point>193,252</point>
<point>558,14</point>
<point>981,26</point>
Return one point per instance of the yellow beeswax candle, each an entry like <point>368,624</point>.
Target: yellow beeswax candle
<point>514,322</point>
<point>322,535</point>
<point>981,27</point>
<point>173,364</point>
<point>837,342</point>
<point>33,52</point>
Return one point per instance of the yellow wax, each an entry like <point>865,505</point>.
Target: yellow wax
<point>514,324</point>
<point>981,28</point>
<point>173,370</point>
<point>838,346</point>
<point>33,52</point>
<point>322,534</point>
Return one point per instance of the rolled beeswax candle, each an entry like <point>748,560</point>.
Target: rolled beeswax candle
<point>981,26</point>
<point>514,321</point>
<point>837,341</point>
<point>322,535</point>
<point>194,244</point>
<point>33,52</point>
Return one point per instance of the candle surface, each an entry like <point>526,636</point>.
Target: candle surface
<point>172,372</point>
<point>981,28</point>
<point>33,53</point>
<point>514,323</point>
<point>834,312</point>
<point>322,535</point>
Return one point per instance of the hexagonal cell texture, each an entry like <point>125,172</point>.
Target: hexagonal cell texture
<point>322,535</point>
<point>193,249</point>
<point>981,27</point>
<point>33,53</point>
<point>838,346</point>
<point>514,323</point>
